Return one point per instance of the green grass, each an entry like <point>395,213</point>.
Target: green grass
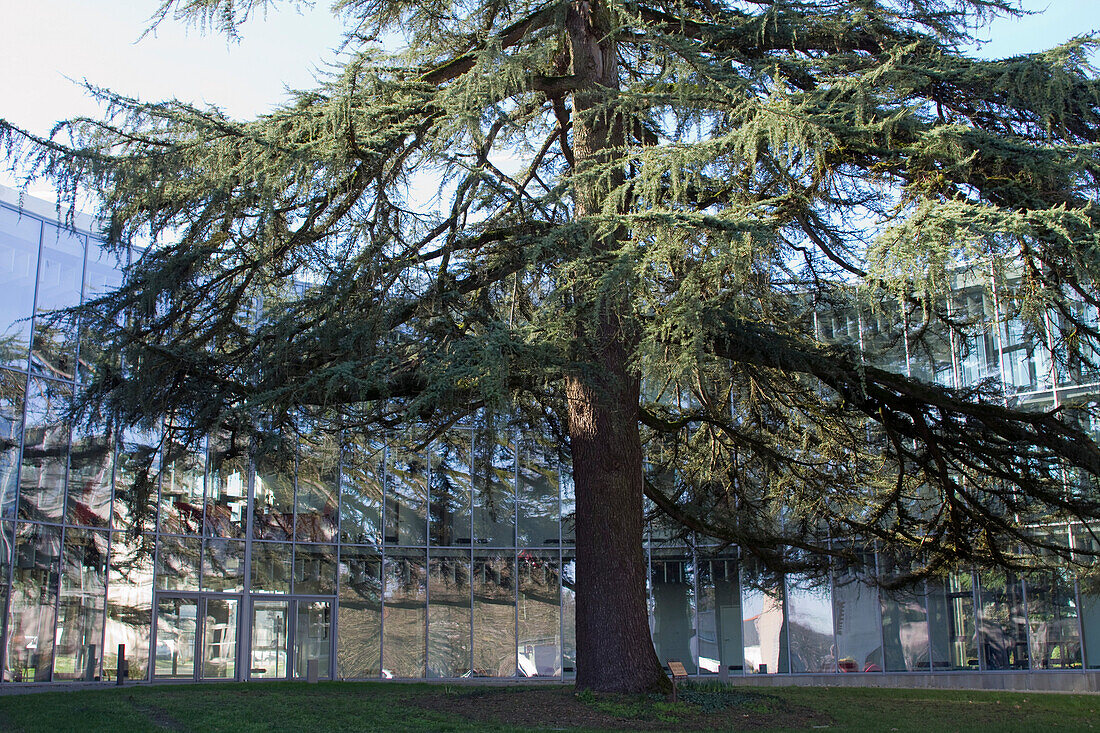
<point>364,706</point>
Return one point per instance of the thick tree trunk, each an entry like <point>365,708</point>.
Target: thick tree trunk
<point>614,646</point>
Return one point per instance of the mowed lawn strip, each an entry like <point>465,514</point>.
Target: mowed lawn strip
<point>367,706</point>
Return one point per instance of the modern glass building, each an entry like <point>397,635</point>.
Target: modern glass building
<point>372,561</point>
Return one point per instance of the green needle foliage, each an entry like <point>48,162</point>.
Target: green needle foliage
<point>645,210</point>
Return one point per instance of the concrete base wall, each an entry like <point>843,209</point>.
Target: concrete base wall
<point>1079,681</point>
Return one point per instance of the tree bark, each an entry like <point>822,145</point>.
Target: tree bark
<point>614,647</point>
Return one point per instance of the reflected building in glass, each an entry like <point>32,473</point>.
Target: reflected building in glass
<point>368,560</point>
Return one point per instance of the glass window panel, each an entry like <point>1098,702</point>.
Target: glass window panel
<point>79,633</point>
<point>494,480</point>
<point>313,638</point>
<point>178,562</point>
<point>672,583</point>
<point>494,614</point>
<point>1002,629</point>
<point>60,274</point>
<point>361,480</point>
<point>951,615</point>
<point>537,490</point>
<point>1089,595</point>
<point>904,624</point>
<point>271,565</point>
<point>359,634</point>
<point>6,529</point>
<point>1052,620</point>
<point>449,613</point>
<point>273,505</point>
<point>318,497</point>
<point>12,391</point>
<point>810,624</point>
<point>129,603</point>
<point>270,631</point>
<point>719,641</point>
<point>539,614</point>
<point>227,494</point>
<point>568,508</point>
<point>45,451</point>
<point>91,461</point>
<point>856,610</point>
<point>102,274</point>
<point>135,504</point>
<point>406,497</point>
<point>569,616</point>
<point>182,478</point>
<point>177,629</point>
<point>223,565</point>
<point>19,236</point>
<point>33,603</point>
<point>404,614</point>
<point>763,626</point>
<point>449,510</point>
<point>219,638</point>
<point>315,570</point>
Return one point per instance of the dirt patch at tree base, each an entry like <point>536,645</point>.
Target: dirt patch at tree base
<point>563,707</point>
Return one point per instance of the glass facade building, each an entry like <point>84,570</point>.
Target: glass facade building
<point>365,560</point>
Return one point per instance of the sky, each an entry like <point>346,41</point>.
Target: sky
<point>48,46</point>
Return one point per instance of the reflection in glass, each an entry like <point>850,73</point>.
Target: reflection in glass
<point>404,615</point>
<point>223,565</point>
<point>60,276</point>
<point>763,627</point>
<point>177,626</point>
<point>361,480</point>
<point>129,603</point>
<point>80,612</point>
<point>449,510</point>
<point>672,581</point>
<point>1002,629</point>
<point>270,626</point>
<point>91,459</point>
<point>494,474</point>
<point>856,609</point>
<point>358,647</point>
<point>271,567</point>
<point>951,615</point>
<point>904,625</point>
<point>313,638</point>
<point>273,505</point>
<point>19,237</point>
<point>226,496</point>
<point>33,602</point>
<point>449,613</point>
<point>219,639</point>
<point>537,493</point>
<point>181,487</point>
<point>12,389</point>
<point>178,562</point>
<point>45,451</point>
<point>719,641</point>
<point>539,619</point>
<point>315,570</point>
<point>494,615</point>
<point>810,624</point>
<point>102,274</point>
<point>135,505</point>
<point>1052,621</point>
<point>318,473</point>
<point>569,616</point>
<point>406,498</point>
<point>568,507</point>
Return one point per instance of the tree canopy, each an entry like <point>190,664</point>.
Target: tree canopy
<point>643,213</point>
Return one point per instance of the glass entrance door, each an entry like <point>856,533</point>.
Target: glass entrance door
<point>289,633</point>
<point>196,637</point>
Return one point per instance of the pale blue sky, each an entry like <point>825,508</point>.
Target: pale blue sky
<point>44,41</point>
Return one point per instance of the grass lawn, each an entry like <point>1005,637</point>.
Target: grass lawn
<point>367,706</point>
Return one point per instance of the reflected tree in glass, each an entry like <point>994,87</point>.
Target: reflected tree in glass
<point>494,481</point>
<point>362,476</point>
<point>80,613</point>
<point>404,597</point>
<point>12,391</point>
<point>449,613</point>
<point>449,510</point>
<point>45,451</point>
<point>406,497</point>
<point>358,640</point>
<point>539,614</point>
<point>33,603</point>
<point>317,502</point>
<point>129,602</point>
